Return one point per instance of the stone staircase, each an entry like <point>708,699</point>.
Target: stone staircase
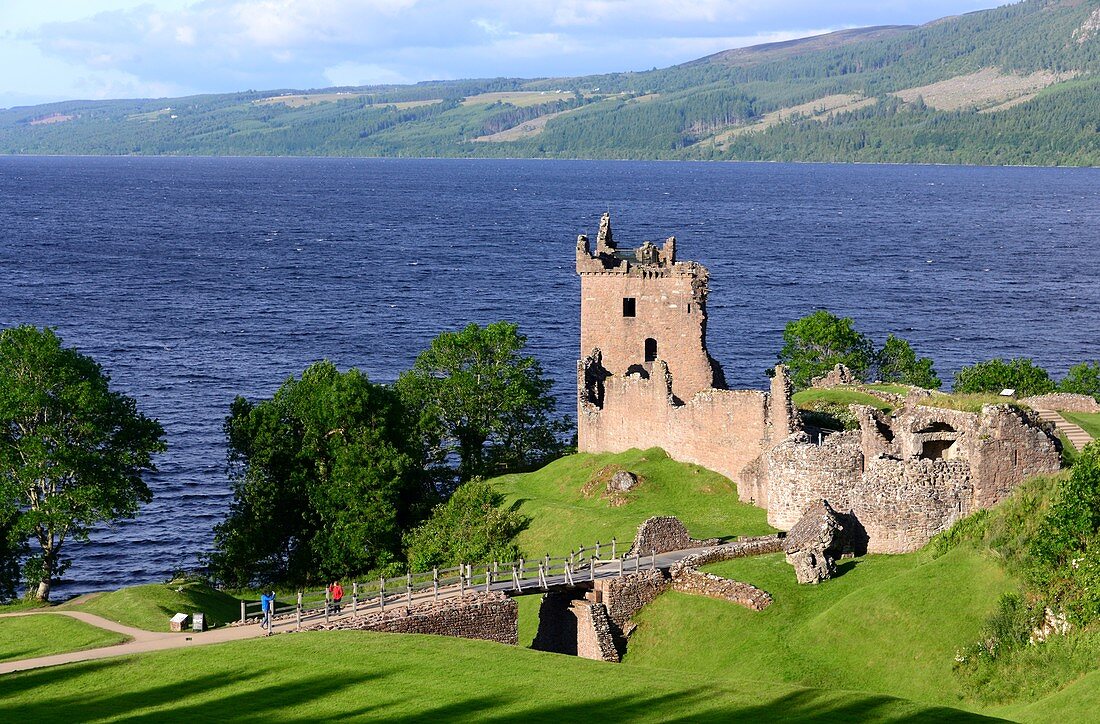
<point>1076,435</point>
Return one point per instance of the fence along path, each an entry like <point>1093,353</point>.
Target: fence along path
<point>514,578</point>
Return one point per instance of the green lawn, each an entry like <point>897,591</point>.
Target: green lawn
<point>563,518</point>
<point>360,676</point>
<point>969,401</point>
<point>887,624</point>
<point>149,607</point>
<point>26,637</point>
<point>1087,421</point>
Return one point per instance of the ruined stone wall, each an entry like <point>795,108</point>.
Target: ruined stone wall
<point>576,627</point>
<point>595,637</point>
<point>696,582</point>
<point>723,430</point>
<point>487,616</point>
<point>1063,401</point>
<point>664,533</point>
<point>625,596</point>
<point>1010,445</point>
<point>741,548</point>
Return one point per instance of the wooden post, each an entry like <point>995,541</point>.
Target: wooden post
<point>612,547</point>
<point>382,593</point>
<point>354,596</point>
<point>620,568</point>
<point>408,588</point>
<point>488,578</point>
<point>597,549</point>
<point>461,578</point>
<point>591,569</point>
<point>435,583</point>
<point>326,604</point>
<point>242,613</point>
<point>298,612</point>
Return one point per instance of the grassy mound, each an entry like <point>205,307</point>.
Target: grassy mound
<point>812,398</point>
<point>390,677</point>
<point>887,624</point>
<point>564,515</point>
<point>27,637</point>
<point>149,607</point>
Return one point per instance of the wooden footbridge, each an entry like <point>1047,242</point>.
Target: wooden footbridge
<point>580,569</point>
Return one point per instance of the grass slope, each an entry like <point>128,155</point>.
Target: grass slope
<point>400,678</point>
<point>563,519</point>
<point>887,624</point>
<point>149,607</point>
<point>26,637</point>
<point>1087,421</point>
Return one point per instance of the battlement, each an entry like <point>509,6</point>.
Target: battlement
<point>647,260</point>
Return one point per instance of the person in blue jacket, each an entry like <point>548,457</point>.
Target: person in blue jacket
<point>267,605</point>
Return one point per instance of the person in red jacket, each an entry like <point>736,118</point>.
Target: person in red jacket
<point>336,593</point>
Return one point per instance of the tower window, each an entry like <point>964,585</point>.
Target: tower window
<point>650,349</point>
<point>629,307</point>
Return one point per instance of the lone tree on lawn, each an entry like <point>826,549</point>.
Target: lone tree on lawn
<point>816,343</point>
<point>72,451</point>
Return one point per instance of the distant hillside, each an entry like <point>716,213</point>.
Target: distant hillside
<point>1016,85</point>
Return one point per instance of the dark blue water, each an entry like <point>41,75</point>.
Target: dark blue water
<point>194,280</point>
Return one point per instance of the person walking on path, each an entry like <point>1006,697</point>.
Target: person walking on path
<point>267,605</point>
<point>336,593</point>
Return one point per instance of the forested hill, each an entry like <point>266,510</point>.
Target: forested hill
<point>1016,85</point>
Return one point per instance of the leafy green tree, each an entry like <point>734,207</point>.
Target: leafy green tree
<point>1082,379</point>
<point>1020,374</point>
<point>481,400</point>
<point>815,344</point>
<point>72,451</point>
<point>325,476</point>
<point>471,527</point>
<point>897,362</point>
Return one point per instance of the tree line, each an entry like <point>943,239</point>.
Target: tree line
<point>332,476</point>
<point>816,343</point>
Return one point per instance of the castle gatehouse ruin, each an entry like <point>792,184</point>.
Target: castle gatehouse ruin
<point>645,379</point>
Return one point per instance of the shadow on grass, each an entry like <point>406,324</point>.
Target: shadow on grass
<point>846,565</point>
<point>393,695</point>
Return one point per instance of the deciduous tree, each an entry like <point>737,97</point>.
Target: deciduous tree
<point>482,401</point>
<point>1082,379</point>
<point>816,343</point>
<point>1020,374</point>
<point>72,451</point>
<point>326,476</point>
<point>471,527</point>
<point>897,362</point>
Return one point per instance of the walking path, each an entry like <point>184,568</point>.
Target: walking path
<point>145,641</point>
<point>1076,435</point>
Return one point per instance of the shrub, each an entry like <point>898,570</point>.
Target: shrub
<point>897,362</point>
<point>1019,374</point>
<point>1082,379</point>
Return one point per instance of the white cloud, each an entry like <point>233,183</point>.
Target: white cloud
<point>222,45</point>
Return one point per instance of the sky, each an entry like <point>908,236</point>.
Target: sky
<point>94,49</point>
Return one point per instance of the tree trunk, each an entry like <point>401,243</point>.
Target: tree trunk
<point>49,562</point>
<point>43,593</point>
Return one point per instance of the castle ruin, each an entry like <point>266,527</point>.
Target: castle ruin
<point>645,379</point>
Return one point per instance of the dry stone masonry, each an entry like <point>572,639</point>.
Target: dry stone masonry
<point>645,378</point>
<point>487,616</point>
<point>814,543</point>
<point>661,534</point>
<point>1062,402</point>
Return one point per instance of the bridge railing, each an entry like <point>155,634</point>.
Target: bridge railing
<point>540,573</point>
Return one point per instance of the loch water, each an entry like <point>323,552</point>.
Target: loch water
<point>192,280</point>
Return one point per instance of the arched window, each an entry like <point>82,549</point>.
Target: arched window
<point>650,349</point>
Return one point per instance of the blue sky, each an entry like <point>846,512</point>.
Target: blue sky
<point>61,49</point>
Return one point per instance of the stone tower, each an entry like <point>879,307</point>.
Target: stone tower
<point>639,306</point>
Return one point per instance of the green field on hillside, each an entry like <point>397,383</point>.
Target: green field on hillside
<point>150,606</point>
<point>887,623</point>
<point>564,519</point>
<point>26,637</point>
<point>402,678</point>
